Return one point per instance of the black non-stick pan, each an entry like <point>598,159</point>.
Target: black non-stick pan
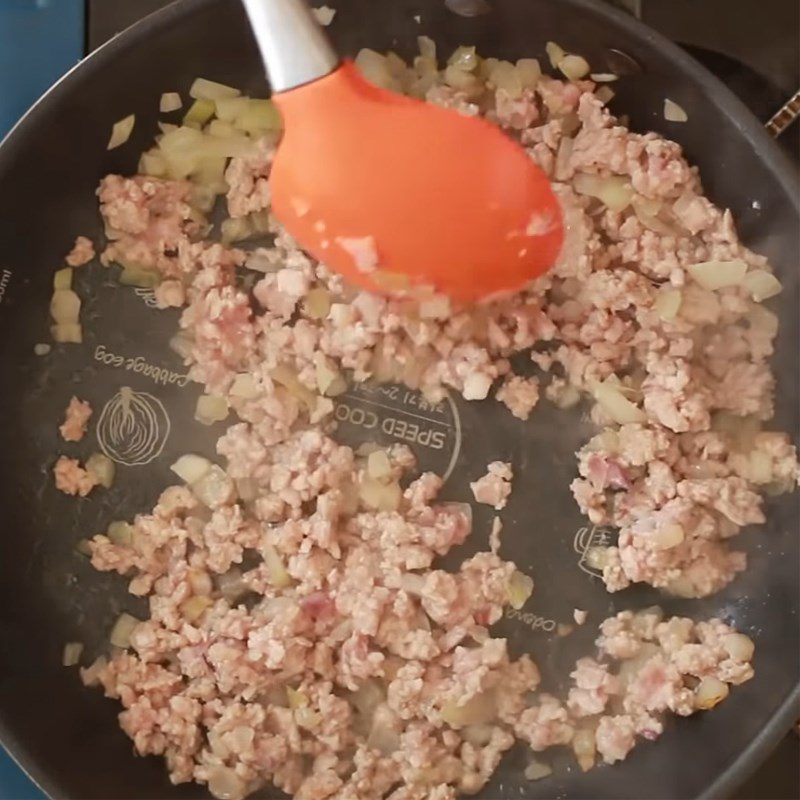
<point>66,736</point>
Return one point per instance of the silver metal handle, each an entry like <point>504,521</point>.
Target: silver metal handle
<point>293,46</point>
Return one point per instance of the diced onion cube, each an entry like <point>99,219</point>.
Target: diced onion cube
<point>72,654</point>
<point>65,306</point>
<point>714,275</point>
<point>102,467</point>
<point>203,89</point>
<point>199,113</point>
<point>122,630</point>
<point>574,67</point>
<point>211,408</point>
<point>616,405</point>
<point>761,284</point>
<point>190,468</point>
<point>62,279</point>
<point>121,132</point>
<point>673,112</point>
<point>170,101</point>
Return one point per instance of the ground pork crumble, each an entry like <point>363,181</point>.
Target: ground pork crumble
<point>300,632</point>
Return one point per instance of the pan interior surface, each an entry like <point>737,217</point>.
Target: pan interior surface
<point>67,737</point>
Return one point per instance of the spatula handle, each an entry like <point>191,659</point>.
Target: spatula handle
<point>293,46</point>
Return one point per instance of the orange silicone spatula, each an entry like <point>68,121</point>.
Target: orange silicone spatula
<point>394,193</point>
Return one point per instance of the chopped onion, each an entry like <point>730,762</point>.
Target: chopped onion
<point>120,533</point>
<point>384,735</point>
<point>761,284</point>
<point>229,108</point>
<point>102,467</point>
<point>379,496</point>
<point>329,380</point>
<point>203,89</point>
<point>62,279</point>
<point>583,745</point>
<point>614,191</point>
<point>41,349</point>
<point>236,229</point>
<point>709,692</point>
<point>738,646</point>
<point>504,75</point>
<point>152,163</point>
<point>604,94</point>
<point>460,80</point>
<point>121,131</point>
<point>529,72</point>
<point>464,59</point>
<point>604,77</point>
<point>170,101</point>
<point>215,488</point>
<point>211,408</point>
<point>478,710</point>
<point>611,399</point>
<point>199,113</point>
<point>427,47</point>
<point>378,465</point>
<point>574,67</point>
<point>121,632</point>
<point>65,306</point>
<point>191,468</point>
<point>139,277</point>
<point>324,15</point>
<point>225,784</point>
<point>278,576</point>
<point>67,333</point>
<point>317,303</point>
<point>259,116</point>
<point>194,607</point>
<point>668,303</point>
<point>72,654</point>
<point>667,536</point>
<point>244,386</point>
<point>555,53</point>
<point>714,275</point>
<point>435,307</point>
<point>519,589</point>
<point>287,378</point>
<point>673,112</point>
<point>374,68</point>
<point>535,771</point>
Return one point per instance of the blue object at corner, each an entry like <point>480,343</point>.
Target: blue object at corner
<point>39,41</point>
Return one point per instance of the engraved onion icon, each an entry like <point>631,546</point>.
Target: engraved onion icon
<point>133,427</point>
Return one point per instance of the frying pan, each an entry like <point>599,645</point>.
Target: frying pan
<point>66,737</point>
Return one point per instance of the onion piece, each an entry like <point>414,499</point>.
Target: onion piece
<point>714,275</point>
<point>611,399</point>
<point>379,496</point>
<point>62,278</point>
<point>324,15</point>
<point>211,408</point>
<point>709,692</point>
<point>170,101</point>
<point>574,67</point>
<point>41,349</point>
<point>605,94</point>
<point>215,488</point>
<point>195,606</point>
<point>120,533</point>
<point>529,72</point>
<point>555,53</point>
<point>427,47</point>
<point>583,745</point>
<point>604,77</point>
<point>199,113</point>
<point>519,589</point>
<point>203,89</point>
<point>738,646</point>
<point>191,468</point>
<point>614,191</point>
<point>258,117</point>
<point>287,378</point>
<point>139,277</point>
<point>317,303</point>
<point>225,784</point>
<point>72,654</point>
<point>478,710</point>
<point>67,333</point>
<point>278,576</point>
<point>121,131</point>
<point>379,466</point>
<point>102,467</point>
<point>244,386</point>
<point>761,284</point>
<point>535,771</point>
<point>668,303</point>
<point>65,306</point>
<point>123,628</point>
<point>464,59</point>
<point>673,112</point>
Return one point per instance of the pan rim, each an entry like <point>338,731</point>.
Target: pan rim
<point>736,114</point>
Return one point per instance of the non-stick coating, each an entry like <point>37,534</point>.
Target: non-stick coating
<point>67,737</point>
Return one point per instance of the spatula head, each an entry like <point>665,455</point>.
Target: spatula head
<point>396,194</point>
